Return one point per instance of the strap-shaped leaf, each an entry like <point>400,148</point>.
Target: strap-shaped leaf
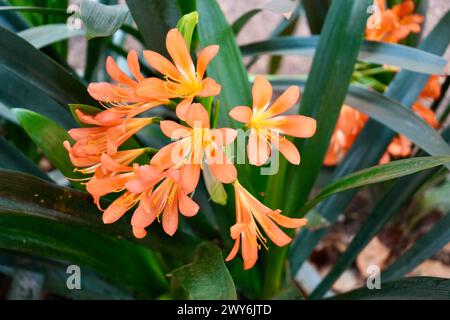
<point>380,173</point>
<point>416,288</point>
<point>48,136</point>
<point>376,52</point>
<point>12,159</point>
<point>25,61</point>
<point>24,195</point>
<point>42,36</point>
<point>154,19</point>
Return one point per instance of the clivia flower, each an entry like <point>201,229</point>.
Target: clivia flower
<point>249,214</point>
<point>169,198</point>
<point>395,24</point>
<point>196,146</point>
<point>181,78</point>
<point>266,123</point>
<point>107,137</point>
<point>348,127</point>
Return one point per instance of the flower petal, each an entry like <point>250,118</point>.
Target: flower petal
<point>204,58</point>
<point>285,101</point>
<point>295,125</point>
<point>189,177</point>
<point>162,65</point>
<point>163,159</point>
<point>170,218</point>
<point>262,94</point>
<point>118,75</point>
<point>197,116</point>
<point>133,65</point>
<point>287,149</point>
<point>178,50</point>
<point>241,114</point>
<point>188,207</point>
<point>153,88</point>
<point>174,130</point>
<point>209,88</point>
<point>221,167</point>
<point>182,108</point>
<point>286,221</point>
<point>258,150</point>
<point>119,207</point>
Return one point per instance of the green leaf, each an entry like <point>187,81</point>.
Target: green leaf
<point>428,245</point>
<point>371,142</point>
<point>316,12</point>
<point>11,158</point>
<point>380,173</point>
<point>21,59</point>
<point>48,136</point>
<point>375,52</point>
<point>186,26</point>
<point>240,22</point>
<point>45,35</point>
<point>206,277</point>
<point>329,79</point>
<point>94,287</point>
<point>227,67</point>
<point>31,197</point>
<point>102,20</point>
<point>415,288</point>
<point>18,92</point>
<point>154,19</point>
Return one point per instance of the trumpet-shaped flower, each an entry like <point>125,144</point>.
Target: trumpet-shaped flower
<point>266,123</point>
<point>169,198</point>
<point>92,142</point>
<point>393,25</point>
<point>104,164</point>
<point>348,127</point>
<point>249,214</point>
<point>197,145</point>
<point>181,78</point>
<point>138,184</point>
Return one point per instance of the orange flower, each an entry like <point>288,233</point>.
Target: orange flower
<point>104,164</point>
<point>266,123</point>
<point>401,146</point>
<point>348,127</point>
<point>138,183</point>
<point>394,24</point>
<point>92,142</point>
<point>249,211</point>
<point>169,198</point>
<point>181,78</point>
<point>196,145</point>
<point>123,94</point>
<point>432,89</point>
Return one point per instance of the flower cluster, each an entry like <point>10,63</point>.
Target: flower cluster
<point>163,187</point>
<point>388,25</point>
<point>393,24</point>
